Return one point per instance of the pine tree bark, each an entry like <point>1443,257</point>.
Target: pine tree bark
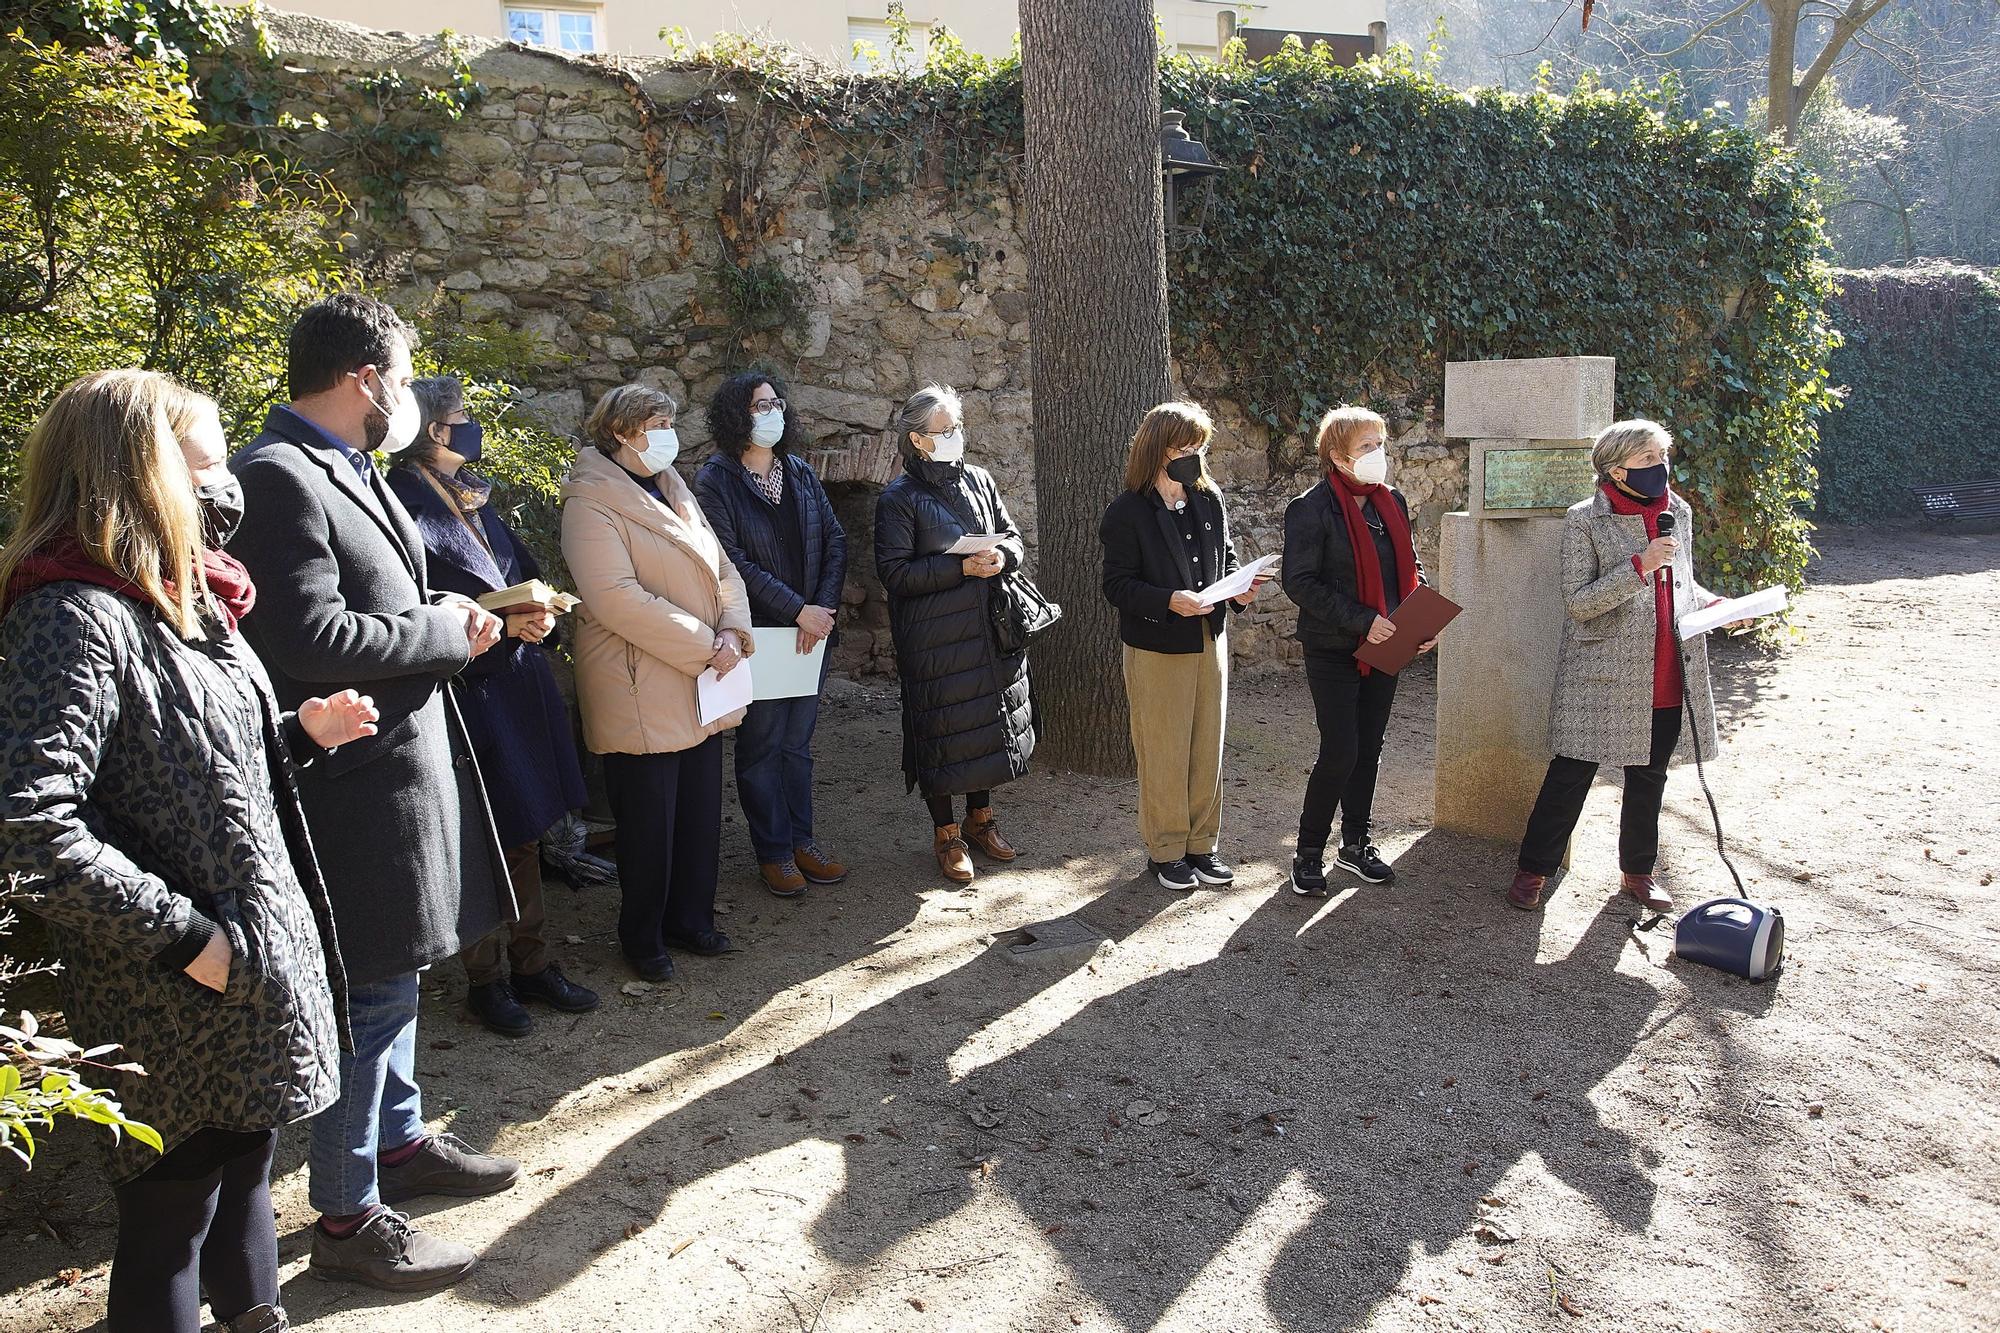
<point>1097,290</point>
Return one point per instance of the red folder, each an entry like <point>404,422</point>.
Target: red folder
<point>1419,619</point>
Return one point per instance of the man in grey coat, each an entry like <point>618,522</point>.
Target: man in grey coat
<point>399,820</point>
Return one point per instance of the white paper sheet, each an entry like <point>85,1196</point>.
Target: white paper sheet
<point>1235,585</point>
<point>783,672</point>
<point>972,543</point>
<point>1763,602</point>
<point>722,696</point>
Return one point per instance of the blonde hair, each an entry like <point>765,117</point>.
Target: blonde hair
<point>623,410</point>
<point>1168,428</point>
<point>104,463</point>
<point>1622,439</point>
<point>1338,429</point>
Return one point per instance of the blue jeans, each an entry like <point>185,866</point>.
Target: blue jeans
<point>774,773</point>
<point>380,1109</point>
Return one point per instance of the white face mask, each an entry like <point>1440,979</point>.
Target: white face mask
<point>949,447</point>
<point>404,422</point>
<point>1371,469</point>
<point>768,429</point>
<point>662,448</point>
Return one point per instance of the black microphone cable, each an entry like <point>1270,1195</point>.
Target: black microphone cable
<point>1666,527</point>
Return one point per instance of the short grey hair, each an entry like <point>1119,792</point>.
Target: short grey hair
<point>623,410</point>
<point>914,416</point>
<point>438,396</point>
<point>1622,439</point>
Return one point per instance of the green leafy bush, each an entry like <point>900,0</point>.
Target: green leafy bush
<point>1377,223</point>
<point>1920,371</point>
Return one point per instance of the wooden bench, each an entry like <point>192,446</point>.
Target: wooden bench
<point>1972,499</point>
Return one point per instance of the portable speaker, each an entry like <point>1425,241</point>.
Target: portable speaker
<point>1735,935</point>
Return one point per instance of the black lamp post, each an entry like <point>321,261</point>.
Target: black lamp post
<point>1187,178</point>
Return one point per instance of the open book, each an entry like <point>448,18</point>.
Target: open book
<point>532,595</point>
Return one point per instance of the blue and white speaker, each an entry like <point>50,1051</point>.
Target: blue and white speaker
<point>1735,935</point>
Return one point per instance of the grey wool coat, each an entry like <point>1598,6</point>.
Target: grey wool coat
<point>405,838</point>
<point>146,798</point>
<point>1603,709</point>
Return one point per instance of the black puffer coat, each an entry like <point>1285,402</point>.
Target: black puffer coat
<point>968,720</point>
<point>145,802</point>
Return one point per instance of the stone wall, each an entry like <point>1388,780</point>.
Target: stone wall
<point>545,212</point>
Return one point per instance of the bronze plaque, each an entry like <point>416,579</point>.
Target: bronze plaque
<point>1537,478</point>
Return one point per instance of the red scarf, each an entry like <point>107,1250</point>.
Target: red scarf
<point>1666,653</point>
<point>65,561</point>
<point>1348,494</point>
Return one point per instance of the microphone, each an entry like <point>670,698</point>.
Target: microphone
<point>1666,526</point>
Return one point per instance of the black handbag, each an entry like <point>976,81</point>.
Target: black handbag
<point>1018,611</point>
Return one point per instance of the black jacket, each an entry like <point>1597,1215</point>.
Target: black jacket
<point>514,710</point>
<point>747,526</point>
<point>968,721</point>
<point>1146,563</point>
<point>146,802</point>
<point>399,819</point>
<point>1319,572</point>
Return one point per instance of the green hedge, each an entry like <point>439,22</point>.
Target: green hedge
<point>1378,223</point>
<point>1920,370</point>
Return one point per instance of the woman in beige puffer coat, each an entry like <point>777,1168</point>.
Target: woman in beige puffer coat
<point>661,604</point>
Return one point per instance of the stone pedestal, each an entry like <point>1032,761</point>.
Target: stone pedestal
<point>1530,424</point>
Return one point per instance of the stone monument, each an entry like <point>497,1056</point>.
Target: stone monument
<point>1530,423</point>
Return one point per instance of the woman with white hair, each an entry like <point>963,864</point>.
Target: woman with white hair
<point>1621,673</point>
<point>968,722</point>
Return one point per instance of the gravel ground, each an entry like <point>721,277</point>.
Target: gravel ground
<point>1404,1107</point>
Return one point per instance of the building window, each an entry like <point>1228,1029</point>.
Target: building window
<point>558,29</point>
<point>872,44</point>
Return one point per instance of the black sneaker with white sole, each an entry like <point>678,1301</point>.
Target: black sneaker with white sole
<point>1210,868</point>
<point>1173,874</point>
<point>1361,858</point>
<point>1308,874</point>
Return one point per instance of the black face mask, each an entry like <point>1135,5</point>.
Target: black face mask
<point>1186,471</point>
<point>1647,482</point>
<point>221,511</point>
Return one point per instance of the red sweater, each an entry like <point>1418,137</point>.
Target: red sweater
<point>1666,652</point>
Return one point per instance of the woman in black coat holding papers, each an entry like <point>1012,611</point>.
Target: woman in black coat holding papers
<point>514,713</point>
<point>1349,563</point>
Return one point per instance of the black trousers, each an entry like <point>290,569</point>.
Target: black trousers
<point>669,813</point>
<point>1560,805</point>
<point>940,806</point>
<point>1353,714</point>
<point>199,1217</point>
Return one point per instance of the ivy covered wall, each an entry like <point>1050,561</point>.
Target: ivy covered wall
<point>1920,371</point>
<point>671,220</point>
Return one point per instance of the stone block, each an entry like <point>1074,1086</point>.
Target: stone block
<point>1537,398</point>
<point>1496,670</point>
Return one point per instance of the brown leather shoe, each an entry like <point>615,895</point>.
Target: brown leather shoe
<point>1526,891</point>
<point>952,858</point>
<point>983,832</point>
<point>1646,891</point>
<point>782,878</point>
<point>817,866</point>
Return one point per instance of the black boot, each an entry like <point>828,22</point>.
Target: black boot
<point>555,990</point>
<point>494,1005</point>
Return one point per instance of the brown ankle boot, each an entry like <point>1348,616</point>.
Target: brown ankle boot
<point>984,833</point>
<point>1526,890</point>
<point>1646,891</point>
<point>952,858</point>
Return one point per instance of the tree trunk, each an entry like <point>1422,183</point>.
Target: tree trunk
<point>1097,288</point>
<point>1781,91</point>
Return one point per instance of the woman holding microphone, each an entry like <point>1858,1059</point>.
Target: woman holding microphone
<point>1164,539</point>
<point>1349,563</point>
<point>1621,677</point>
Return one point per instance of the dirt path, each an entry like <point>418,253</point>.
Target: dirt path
<point>1344,1093</point>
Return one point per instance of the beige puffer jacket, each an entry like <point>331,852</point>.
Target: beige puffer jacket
<point>656,590</point>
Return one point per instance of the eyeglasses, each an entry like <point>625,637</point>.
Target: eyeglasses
<point>1199,451</point>
<point>766,407</point>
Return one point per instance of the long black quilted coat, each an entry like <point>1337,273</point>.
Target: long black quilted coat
<point>143,779</point>
<point>968,720</point>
